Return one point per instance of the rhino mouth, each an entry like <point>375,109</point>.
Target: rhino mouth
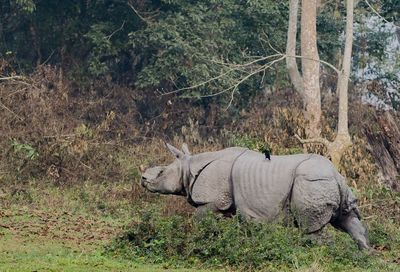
<point>147,184</point>
<point>144,182</point>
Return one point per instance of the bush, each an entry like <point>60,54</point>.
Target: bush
<point>215,242</point>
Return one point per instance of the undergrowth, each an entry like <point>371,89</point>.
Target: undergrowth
<point>218,242</point>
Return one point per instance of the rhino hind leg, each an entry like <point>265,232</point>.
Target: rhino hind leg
<point>351,224</point>
<point>314,203</point>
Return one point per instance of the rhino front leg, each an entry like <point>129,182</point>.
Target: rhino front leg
<point>351,224</point>
<point>203,210</point>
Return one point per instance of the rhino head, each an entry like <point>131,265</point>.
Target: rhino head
<point>169,179</point>
<point>201,178</point>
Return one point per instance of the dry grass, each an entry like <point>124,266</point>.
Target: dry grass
<point>105,133</point>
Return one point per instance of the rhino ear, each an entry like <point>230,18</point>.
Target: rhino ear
<point>175,151</point>
<point>185,149</point>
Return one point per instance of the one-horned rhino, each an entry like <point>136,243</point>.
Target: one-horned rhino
<point>306,186</point>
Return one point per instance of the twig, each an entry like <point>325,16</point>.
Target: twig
<point>249,66</point>
<point>270,45</point>
<point>200,84</point>
<point>234,87</point>
<point>233,68</point>
<point>43,63</point>
<point>248,63</point>
<point>119,29</point>
<point>12,77</point>
<point>18,79</point>
<point>137,13</point>
<point>317,60</point>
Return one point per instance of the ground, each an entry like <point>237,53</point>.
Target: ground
<point>57,229</point>
<point>54,228</point>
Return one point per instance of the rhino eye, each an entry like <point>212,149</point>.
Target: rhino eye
<point>161,172</point>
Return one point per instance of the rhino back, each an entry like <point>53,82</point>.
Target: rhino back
<point>260,186</point>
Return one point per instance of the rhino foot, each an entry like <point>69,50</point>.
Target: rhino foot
<point>351,224</point>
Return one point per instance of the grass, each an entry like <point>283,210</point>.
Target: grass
<point>219,242</point>
<point>49,228</point>
<point>35,254</point>
<point>40,254</point>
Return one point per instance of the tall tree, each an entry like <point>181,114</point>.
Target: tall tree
<point>310,67</point>
<point>342,140</point>
<point>308,86</point>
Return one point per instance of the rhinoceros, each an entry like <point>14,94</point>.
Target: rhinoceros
<point>306,186</point>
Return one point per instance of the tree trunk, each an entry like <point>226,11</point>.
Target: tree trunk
<point>35,43</point>
<point>291,63</point>
<point>343,80</point>
<point>310,67</point>
<point>342,140</point>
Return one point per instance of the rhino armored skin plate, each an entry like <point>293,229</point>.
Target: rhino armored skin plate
<point>306,186</point>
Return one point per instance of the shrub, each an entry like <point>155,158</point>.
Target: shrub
<point>216,241</point>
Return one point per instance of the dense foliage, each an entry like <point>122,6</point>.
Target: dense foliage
<point>167,45</point>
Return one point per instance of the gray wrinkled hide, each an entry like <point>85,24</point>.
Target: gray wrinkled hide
<point>237,179</point>
<point>263,188</point>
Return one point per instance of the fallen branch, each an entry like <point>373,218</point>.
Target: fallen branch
<point>12,77</point>
<point>18,79</point>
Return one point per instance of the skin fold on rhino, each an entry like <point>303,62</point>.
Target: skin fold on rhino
<point>306,186</point>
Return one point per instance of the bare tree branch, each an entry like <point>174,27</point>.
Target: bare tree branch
<point>317,60</point>
<point>18,80</point>
<point>11,78</point>
<point>117,30</point>
<point>240,68</point>
<point>232,68</point>
<point>248,70</point>
<point>137,13</point>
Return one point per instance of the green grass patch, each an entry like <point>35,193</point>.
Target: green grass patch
<point>217,242</point>
<point>33,254</point>
<point>50,228</point>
